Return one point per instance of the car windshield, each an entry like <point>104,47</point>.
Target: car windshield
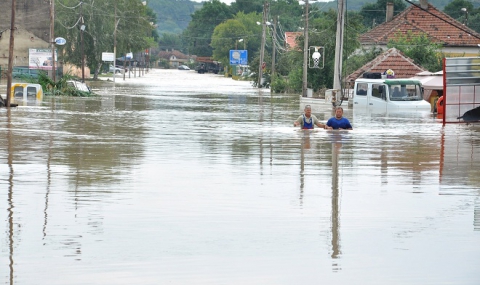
<point>405,92</point>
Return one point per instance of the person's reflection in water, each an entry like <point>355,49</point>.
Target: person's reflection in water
<point>305,145</point>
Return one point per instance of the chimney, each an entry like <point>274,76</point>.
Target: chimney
<point>389,12</point>
<point>424,4</point>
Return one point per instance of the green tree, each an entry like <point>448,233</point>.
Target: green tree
<point>419,48</point>
<point>199,31</point>
<point>323,33</point>
<point>464,12</point>
<point>289,13</point>
<point>454,9</point>
<point>374,13</point>
<point>224,39</point>
<point>248,6</point>
<point>171,41</point>
<point>131,25</point>
<point>173,15</point>
<point>226,36</point>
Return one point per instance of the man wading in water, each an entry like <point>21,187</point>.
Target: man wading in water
<point>339,122</point>
<point>307,120</point>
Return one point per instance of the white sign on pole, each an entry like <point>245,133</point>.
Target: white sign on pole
<point>108,56</point>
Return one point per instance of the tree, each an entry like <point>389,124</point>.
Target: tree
<point>175,15</point>
<point>464,12</point>
<point>125,20</point>
<point>199,31</point>
<point>225,37</point>
<point>375,13</point>
<point>323,33</point>
<point>454,9</point>
<point>171,41</point>
<point>419,48</point>
<point>247,6</point>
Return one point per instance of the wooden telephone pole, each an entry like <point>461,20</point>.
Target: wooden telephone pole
<point>10,55</point>
<point>305,52</point>
<point>262,48</point>
<point>52,36</point>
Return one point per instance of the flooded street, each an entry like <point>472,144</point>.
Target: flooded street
<point>184,178</point>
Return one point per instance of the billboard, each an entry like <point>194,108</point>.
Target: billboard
<point>40,58</point>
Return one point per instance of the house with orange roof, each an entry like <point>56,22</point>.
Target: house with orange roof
<point>393,59</point>
<point>291,40</point>
<point>174,57</point>
<point>455,38</point>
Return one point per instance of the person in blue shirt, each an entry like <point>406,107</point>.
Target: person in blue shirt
<point>339,122</point>
<point>307,120</point>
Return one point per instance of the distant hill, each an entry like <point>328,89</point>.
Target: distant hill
<point>173,16</point>
<point>356,5</point>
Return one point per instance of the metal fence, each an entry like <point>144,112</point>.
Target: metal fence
<point>461,77</point>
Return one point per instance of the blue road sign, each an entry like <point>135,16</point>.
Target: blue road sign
<point>238,57</point>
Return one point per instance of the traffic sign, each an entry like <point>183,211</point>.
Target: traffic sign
<point>238,57</point>
<point>60,41</point>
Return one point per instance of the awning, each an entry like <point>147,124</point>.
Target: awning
<point>431,82</point>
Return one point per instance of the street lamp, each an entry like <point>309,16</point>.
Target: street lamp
<point>465,22</point>
<point>239,41</point>
<point>82,29</point>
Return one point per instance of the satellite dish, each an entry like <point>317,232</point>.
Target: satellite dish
<point>60,41</point>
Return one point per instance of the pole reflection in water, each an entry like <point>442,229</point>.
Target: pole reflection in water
<point>49,171</point>
<point>10,195</point>
<point>459,156</point>
<point>335,217</point>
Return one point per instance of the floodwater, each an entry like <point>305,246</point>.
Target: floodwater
<point>184,178</point>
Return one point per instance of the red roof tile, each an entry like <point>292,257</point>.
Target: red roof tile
<point>440,27</point>
<point>393,59</point>
<point>169,54</point>
<point>291,39</point>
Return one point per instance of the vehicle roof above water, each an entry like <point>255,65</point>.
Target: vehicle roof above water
<point>389,81</point>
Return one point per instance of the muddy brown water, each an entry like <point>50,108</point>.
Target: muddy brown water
<point>184,178</point>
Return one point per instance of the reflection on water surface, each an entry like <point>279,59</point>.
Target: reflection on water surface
<point>182,178</point>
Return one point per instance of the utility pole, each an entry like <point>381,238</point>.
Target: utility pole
<point>262,48</point>
<point>305,52</point>
<point>82,28</point>
<point>274,41</point>
<point>115,42</point>
<point>52,39</point>
<point>10,56</point>
<point>337,72</point>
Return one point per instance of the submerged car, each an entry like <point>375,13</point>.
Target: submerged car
<point>183,67</point>
<point>116,69</point>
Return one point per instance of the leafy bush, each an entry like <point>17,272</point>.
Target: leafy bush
<point>279,84</point>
